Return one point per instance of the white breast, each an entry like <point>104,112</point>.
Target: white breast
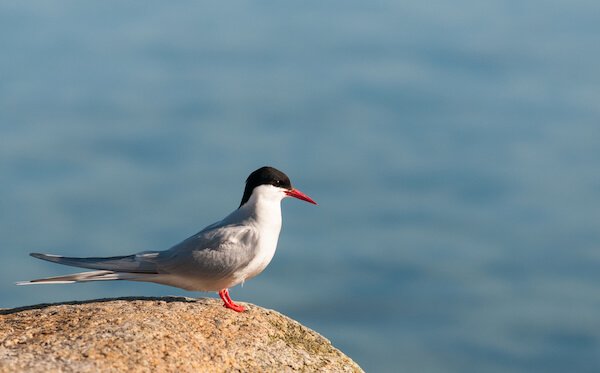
<point>263,210</point>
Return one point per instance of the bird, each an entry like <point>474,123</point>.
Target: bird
<point>220,256</point>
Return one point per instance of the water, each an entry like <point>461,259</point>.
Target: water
<point>453,149</point>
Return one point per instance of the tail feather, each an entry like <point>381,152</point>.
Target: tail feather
<point>128,267</point>
<point>83,277</point>
<point>137,263</point>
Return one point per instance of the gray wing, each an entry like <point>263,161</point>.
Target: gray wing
<point>136,263</point>
<point>216,252</point>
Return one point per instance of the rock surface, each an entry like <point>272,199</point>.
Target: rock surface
<point>160,334</point>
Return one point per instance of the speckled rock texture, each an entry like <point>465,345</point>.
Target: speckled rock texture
<point>160,335</point>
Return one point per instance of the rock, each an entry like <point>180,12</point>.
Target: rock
<point>160,334</point>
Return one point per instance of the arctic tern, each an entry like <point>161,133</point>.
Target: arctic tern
<point>220,256</point>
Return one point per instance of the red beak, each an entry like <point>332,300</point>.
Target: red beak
<point>298,194</point>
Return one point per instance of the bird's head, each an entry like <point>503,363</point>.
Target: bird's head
<point>272,182</point>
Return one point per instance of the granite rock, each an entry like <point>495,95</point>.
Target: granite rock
<point>160,334</point>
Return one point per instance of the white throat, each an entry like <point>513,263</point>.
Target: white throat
<point>264,206</point>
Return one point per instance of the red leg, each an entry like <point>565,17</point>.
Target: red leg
<point>224,294</point>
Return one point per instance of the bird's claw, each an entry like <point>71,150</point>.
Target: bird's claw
<point>235,307</point>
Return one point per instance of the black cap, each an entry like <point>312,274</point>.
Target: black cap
<point>265,176</point>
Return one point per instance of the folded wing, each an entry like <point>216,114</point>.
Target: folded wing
<point>136,263</point>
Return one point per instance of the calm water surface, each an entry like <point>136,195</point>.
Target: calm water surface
<point>453,149</point>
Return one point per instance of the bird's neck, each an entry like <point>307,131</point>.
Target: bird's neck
<point>264,207</point>
<point>266,212</point>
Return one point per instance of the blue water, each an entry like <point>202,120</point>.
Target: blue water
<point>453,148</point>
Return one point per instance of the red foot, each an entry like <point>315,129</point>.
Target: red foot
<point>224,294</point>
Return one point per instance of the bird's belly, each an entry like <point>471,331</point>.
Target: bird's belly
<point>264,253</point>
<point>195,283</point>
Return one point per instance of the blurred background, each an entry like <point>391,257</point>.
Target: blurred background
<point>453,148</point>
